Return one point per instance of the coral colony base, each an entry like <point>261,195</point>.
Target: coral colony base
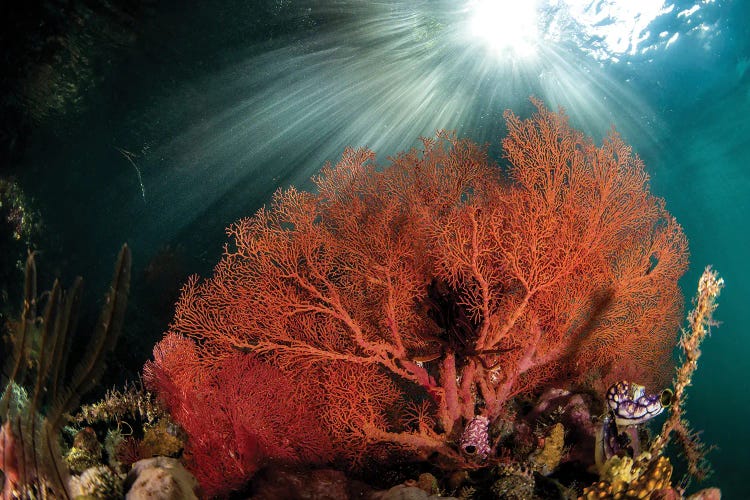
<point>436,326</point>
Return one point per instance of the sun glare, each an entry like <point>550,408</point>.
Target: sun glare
<point>379,74</point>
<point>506,26</point>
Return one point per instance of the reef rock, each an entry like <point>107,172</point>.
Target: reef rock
<point>96,482</point>
<point>404,492</point>
<point>707,494</point>
<point>320,484</point>
<point>514,487</point>
<point>160,478</point>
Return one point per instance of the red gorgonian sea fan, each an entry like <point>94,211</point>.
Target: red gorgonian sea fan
<point>441,278</point>
<point>241,415</point>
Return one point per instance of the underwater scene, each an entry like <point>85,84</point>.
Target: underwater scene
<point>353,249</point>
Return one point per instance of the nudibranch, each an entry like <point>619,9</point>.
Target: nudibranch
<point>629,405</point>
<point>632,406</point>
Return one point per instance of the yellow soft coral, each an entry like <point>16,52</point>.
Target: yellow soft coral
<point>617,469</point>
<point>657,476</point>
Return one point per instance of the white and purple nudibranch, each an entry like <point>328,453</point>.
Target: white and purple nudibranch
<point>475,440</point>
<point>631,405</point>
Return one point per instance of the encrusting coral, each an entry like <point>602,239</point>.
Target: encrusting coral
<point>86,451</point>
<point>546,459</point>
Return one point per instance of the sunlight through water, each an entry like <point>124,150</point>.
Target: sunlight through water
<point>381,74</point>
<point>506,25</point>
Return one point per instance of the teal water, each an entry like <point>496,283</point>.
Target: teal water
<point>707,187</point>
<point>194,116</point>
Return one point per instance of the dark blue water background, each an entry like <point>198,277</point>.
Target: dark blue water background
<point>211,107</point>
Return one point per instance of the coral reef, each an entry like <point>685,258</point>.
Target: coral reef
<point>577,412</point>
<point>161,439</point>
<point>438,279</point>
<point>431,320</point>
<point>648,473</point>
